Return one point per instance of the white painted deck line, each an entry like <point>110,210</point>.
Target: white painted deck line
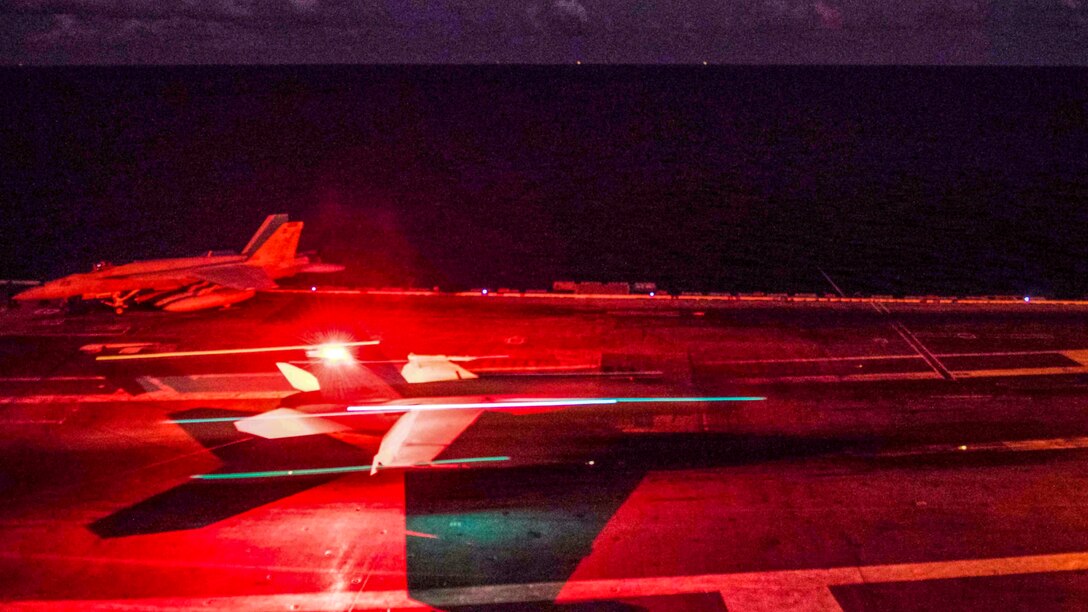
<point>807,589</point>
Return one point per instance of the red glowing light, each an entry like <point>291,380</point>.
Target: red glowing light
<point>334,354</point>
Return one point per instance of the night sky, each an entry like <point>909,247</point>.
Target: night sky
<point>894,180</point>
<point>544,31</point>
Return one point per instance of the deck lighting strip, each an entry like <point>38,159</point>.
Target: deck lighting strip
<point>397,408</point>
<point>262,349</point>
<point>333,470</point>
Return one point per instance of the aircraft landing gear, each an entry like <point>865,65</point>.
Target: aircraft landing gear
<point>119,301</point>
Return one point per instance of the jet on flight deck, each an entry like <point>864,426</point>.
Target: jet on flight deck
<point>412,427</point>
<point>187,284</point>
<point>422,426</point>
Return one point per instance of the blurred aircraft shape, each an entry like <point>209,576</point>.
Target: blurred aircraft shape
<point>415,425</point>
<point>186,284</point>
<point>424,426</point>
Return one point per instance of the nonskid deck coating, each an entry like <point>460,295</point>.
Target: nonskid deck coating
<point>752,507</point>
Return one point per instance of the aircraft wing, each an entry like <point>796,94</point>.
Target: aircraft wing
<point>235,276</point>
<point>420,436</point>
<point>286,423</point>
<point>417,437</point>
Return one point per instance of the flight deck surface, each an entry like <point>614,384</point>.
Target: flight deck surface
<point>906,457</point>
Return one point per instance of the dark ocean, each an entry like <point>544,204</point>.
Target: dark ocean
<point>899,180</point>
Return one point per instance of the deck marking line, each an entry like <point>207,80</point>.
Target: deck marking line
<point>48,378</point>
<point>606,588</point>
<point>236,351</point>
<point>781,600</point>
<point>157,396</point>
<point>832,378</point>
<point>917,345</point>
<point>810,359</point>
<point>1021,372</point>
<point>1042,444</point>
<point>1080,356</point>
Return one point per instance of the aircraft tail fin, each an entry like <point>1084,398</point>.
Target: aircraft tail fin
<point>338,382</point>
<point>278,250</point>
<point>270,225</point>
<point>298,378</point>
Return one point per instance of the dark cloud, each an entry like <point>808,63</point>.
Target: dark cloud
<point>569,16</point>
<point>744,31</point>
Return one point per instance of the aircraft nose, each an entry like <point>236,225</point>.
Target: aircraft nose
<point>34,293</point>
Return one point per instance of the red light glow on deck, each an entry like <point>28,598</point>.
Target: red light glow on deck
<point>334,354</point>
<point>333,349</point>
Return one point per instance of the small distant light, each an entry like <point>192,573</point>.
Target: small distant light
<point>704,63</point>
<point>653,293</point>
<point>579,62</point>
<point>1027,298</point>
<point>962,447</point>
<point>590,462</point>
<point>313,288</point>
<point>483,291</point>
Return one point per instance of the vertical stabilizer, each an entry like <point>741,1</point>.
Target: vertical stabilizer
<point>298,378</point>
<point>279,249</point>
<point>270,225</point>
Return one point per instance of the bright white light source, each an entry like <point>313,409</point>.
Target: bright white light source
<point>653,293</point>
<point>334,354</point>
<point>1027,298</point>
<point>483,291</point>
<point>313,288</point>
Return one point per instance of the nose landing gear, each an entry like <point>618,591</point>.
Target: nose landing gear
<point>119,301</point>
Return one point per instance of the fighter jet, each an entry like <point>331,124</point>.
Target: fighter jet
<point>415,426</point>
<point>416,407</point>
<point>185,284</point>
